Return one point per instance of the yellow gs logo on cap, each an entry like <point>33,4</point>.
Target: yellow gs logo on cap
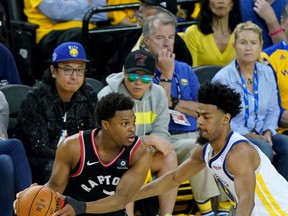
<point>73,51</point>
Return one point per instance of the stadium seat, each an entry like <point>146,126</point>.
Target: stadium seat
<point>15,94</point>
<point>23,34</point>
<point>96,84</point>
<point>206,72</point>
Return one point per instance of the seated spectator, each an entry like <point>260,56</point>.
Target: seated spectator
<point>60,104</point>
<point>8,70</point>
<point>210,40</point>
<point>123,17</point>
<point>258,119</point>
<point>13,68</point>
<point>60,21</point>
<point>14,166</point>
<point>151,110</point>
<point>266,14</point>
<point>276,56</point>
<point>134,40</point>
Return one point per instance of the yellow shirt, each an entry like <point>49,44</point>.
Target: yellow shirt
<point>118,16</point>
<point>278,59</point>
<point>204,50</point>
<point>45,24</point>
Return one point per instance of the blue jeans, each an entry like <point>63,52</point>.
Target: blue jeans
<point>15,173</point>
<point>280,147</point>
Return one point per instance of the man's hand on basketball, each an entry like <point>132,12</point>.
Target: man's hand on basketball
<point>18,195</point>
<point>67,210</point>
<point>72,207</point>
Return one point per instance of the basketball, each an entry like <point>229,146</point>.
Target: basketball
<point>37,201</point>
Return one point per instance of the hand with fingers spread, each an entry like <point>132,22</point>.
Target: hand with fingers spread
<point>18,195</point>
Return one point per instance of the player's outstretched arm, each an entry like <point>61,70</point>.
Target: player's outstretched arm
<point>170,180</point>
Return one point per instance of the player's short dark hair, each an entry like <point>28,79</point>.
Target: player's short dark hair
<point>220,95</point>
<point>111,103</point>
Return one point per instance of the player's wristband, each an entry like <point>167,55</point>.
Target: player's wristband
<point>78,206</point>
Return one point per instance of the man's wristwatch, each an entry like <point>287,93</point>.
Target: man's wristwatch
<point>175,101</point>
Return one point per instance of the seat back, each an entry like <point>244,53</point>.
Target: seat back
<point>14,94</point>
<point>15,9</point>
<point>206,72</point>
<point>23,35</point>
<point>96,84</point>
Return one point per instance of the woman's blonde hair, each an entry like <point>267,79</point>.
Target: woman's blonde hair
<point>247,26</point>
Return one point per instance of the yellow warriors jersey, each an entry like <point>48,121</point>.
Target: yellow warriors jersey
<point>277,57</point>
<point>271,192</point>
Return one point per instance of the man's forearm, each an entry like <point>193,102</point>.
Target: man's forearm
<point>275,30</point>
<point>187,107</point>
<point>155,188</point>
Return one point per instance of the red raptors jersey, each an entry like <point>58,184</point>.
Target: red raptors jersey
<point>92,179</point>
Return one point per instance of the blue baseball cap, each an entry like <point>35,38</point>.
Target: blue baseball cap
<point>69,51</point>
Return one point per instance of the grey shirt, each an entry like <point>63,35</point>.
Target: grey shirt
<point>4,115</point>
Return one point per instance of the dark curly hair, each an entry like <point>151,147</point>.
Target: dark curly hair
<point>205,17</point>
<point>111,103</point>
<point>225,98</point>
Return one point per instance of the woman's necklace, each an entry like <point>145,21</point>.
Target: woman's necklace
<point>249,81</point>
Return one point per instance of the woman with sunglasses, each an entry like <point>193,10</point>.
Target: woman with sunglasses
<point>151,110</point>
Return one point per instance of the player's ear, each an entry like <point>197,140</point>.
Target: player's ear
<point>104,124</point>
<point>227,118</point>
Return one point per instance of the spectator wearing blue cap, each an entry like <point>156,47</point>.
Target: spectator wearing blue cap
<point>61,104</point>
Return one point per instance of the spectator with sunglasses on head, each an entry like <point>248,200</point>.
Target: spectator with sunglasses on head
<point>151,110</point>
<point>60,104</point>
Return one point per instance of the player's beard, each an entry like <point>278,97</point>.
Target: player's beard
<point>202,140</point>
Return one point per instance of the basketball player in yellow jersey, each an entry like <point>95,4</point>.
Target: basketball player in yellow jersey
<point>252,184</point>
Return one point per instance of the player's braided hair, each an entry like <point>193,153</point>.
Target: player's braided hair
<point>111,103</point>
<point>221,96</point>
